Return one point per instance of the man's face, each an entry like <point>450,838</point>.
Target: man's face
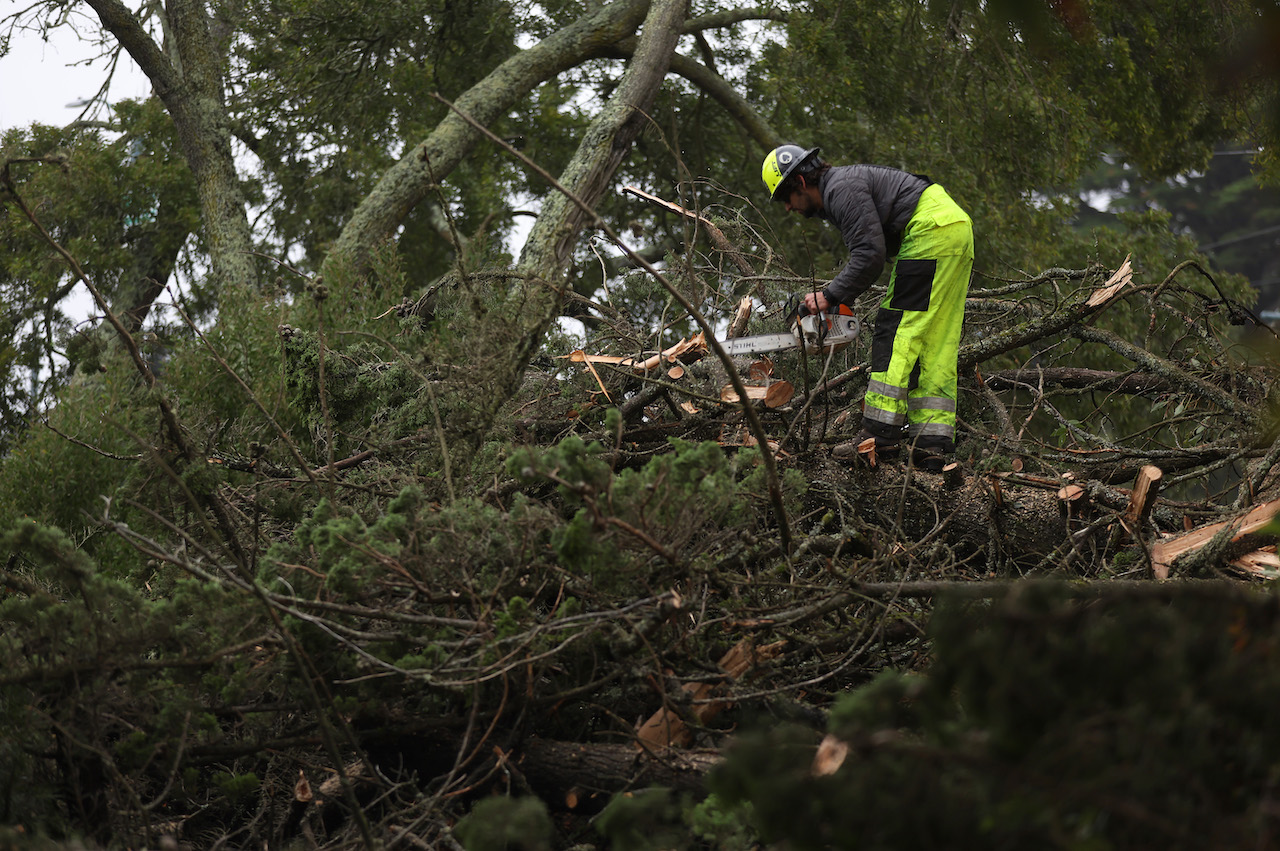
<point>799,200</point>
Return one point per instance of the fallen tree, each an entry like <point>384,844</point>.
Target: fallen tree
<point>423,559</point>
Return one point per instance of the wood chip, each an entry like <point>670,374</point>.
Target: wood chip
<point>779,393</point>
<point>302,789</point>
<point>760,370</point>
<point>1071,493</point>
<point>830,756</point>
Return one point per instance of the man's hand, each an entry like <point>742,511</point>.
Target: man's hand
<point>816,302</point>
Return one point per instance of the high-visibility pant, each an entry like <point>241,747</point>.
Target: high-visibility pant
<point>917,335</point>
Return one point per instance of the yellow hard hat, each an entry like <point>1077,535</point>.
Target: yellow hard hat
<point>781,161</point>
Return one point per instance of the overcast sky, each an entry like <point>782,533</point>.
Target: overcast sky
<point>38,79</point>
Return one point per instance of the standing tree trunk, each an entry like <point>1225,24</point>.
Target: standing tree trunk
<point>410,180</point>
<point>548,249</point>
<point>193,94</point>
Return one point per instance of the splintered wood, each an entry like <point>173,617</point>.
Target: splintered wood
<point>684,351</point>
<point>1263,563</point>
<point>738,326</point>
<point>718,239</point>
<point>1145,490</point>
<point>1113,286</point>
<point>1164,553</point>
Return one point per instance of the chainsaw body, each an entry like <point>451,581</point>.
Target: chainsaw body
<point>825,331</point>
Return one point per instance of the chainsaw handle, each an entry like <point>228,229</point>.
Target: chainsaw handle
<point>798,309</point>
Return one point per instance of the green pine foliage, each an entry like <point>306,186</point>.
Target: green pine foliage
<point>376,523</point>
<point>1047,720</point>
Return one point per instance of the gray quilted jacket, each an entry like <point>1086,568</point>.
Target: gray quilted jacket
<point>871,206</point>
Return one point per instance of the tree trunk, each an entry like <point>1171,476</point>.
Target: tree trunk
<point>410,181</point>
<point>193,96</point>
<point>542,267</point>
<point>1017,521</point>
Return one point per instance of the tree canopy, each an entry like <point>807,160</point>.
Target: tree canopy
<point>396,492</point>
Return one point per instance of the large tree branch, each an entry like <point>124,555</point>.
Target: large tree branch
<point>1079,378</point>
<point>193,96</point>
<point>718,88</point>
<point>411,179</point>
<point>729,17</point>
<point>1162,368</point>
<point>603,146</point>
<point>1078,308</point>
<point>134,38</point>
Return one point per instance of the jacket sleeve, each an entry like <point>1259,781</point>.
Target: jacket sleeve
<point>850,207</point>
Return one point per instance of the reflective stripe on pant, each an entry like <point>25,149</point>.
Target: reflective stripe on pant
<point>917,336</point>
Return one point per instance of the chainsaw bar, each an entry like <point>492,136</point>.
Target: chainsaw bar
<point>760,344</point>
<point>821,332</point>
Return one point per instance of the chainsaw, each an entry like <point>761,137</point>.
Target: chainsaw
<point>814,332</point>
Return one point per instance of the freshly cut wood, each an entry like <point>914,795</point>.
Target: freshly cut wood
<point>867,451</point>
<point>1164,553</point>
<point>665,728</point>
<point>302,789</point>
<point>1071,493</point>
<point>684,351</point>
<point>830,756</point>
<point>774,395</point>
<point>997,494</point>
<point>1073,504</point>
<point>740,319</point>
<point>754,393</point>
<point>1145,490</point>
<point>579,356</point>
<point>760,370</point>
<point>779,393</point>
<point>952,475</point>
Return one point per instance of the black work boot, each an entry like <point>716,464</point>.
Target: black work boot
<point>932,453</point>
<point>886,447</point>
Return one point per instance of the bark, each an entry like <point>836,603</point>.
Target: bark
<point>602,149</point>
<point>193,95</point>
<point>1079,378</point>
<point>1066,317</point>
<point>412,179</point>
<point>719,89</point>
<point>583,776</point>
<point>155,253</point>
<point>1018,522</point>
<point>548,249</point>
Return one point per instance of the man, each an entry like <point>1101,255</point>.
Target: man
<point>884,214</point>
